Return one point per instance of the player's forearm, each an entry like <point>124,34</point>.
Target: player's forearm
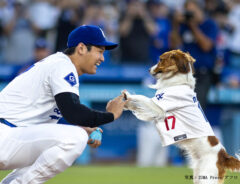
<point>84,116</point>
<point>76,113</point>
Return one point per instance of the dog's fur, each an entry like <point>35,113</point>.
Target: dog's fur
<point>207,154</point>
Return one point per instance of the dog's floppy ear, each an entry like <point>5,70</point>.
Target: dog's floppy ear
<point>183,61</point>
<point>166,63</point>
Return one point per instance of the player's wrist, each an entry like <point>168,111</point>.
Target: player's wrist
<point>88,130</point>
<point>113,115</point>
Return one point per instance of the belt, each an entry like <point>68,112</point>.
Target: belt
<point>3,121</point>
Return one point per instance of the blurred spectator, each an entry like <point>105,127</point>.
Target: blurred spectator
<point>234,39</point>
<point>197,35</point>
<point>94,15</point>
<point>41,51</point>
<point>112,14</point>
<point>233,81</point>
<point>106,18</point>
<point>136,27</point>
<point>220,14</point>
<point>210,6</point>
<point>174,5</point>
<point>3,9</point>
<point>227,56</point>
<point>43,16</point>
<point>19,35</point>
<point>160,40</point>
<point>70,17</point>
<point>225,30</point>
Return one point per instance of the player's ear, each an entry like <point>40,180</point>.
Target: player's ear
<point>81,48</point>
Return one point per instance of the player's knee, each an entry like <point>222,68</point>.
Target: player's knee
<point>72,147</point>
<point>81,135</point>
<point>77,140</point>
<point>83,139</point>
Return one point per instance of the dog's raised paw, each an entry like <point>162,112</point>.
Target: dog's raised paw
<point>126,94</point>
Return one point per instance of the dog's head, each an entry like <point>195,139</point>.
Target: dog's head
<point>174,68</point>
<point>175,61</point>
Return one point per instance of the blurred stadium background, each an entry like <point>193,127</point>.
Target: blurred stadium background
<point>31,30</point>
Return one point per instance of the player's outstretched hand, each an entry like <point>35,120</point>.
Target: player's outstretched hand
<point>116,106</point>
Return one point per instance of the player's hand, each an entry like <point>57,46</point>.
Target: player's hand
<point>95,137</point>
<point>116,106</point>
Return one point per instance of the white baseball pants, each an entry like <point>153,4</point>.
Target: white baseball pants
<point>39,152</point>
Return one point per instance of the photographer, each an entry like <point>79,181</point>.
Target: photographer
<point>135,28</point>
<point>195,33</point>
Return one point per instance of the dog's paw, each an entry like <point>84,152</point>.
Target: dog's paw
<point>126,94</point>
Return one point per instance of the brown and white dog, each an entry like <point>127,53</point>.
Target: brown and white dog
<point>209,160</point>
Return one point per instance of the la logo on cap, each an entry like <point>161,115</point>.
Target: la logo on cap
<point>102,33</point>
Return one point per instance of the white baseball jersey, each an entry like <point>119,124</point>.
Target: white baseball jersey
<point>29,98</point>
<point>185,118</point>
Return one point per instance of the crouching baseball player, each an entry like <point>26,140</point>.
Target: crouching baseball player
<point>31,141</point>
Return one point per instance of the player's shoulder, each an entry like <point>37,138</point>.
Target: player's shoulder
<point>57,58</point>
<point>57,61</point>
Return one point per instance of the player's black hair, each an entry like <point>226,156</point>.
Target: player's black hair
<point>89,47</point>
<point>71,50</point>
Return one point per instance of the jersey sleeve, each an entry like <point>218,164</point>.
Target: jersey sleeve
<point>64,78</point>
<point>167,100</point>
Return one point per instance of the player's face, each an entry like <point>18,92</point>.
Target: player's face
<point>93,59</point>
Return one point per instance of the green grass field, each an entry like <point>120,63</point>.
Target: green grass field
<point>127,175</point>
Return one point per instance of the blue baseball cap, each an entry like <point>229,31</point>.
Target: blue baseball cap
<point>41,43</point>
<point>89,35</point>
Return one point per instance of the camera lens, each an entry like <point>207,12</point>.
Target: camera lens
<point>188,15</point>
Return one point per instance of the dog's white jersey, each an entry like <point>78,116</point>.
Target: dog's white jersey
<point>185,118</point>
<point>29,98</point>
